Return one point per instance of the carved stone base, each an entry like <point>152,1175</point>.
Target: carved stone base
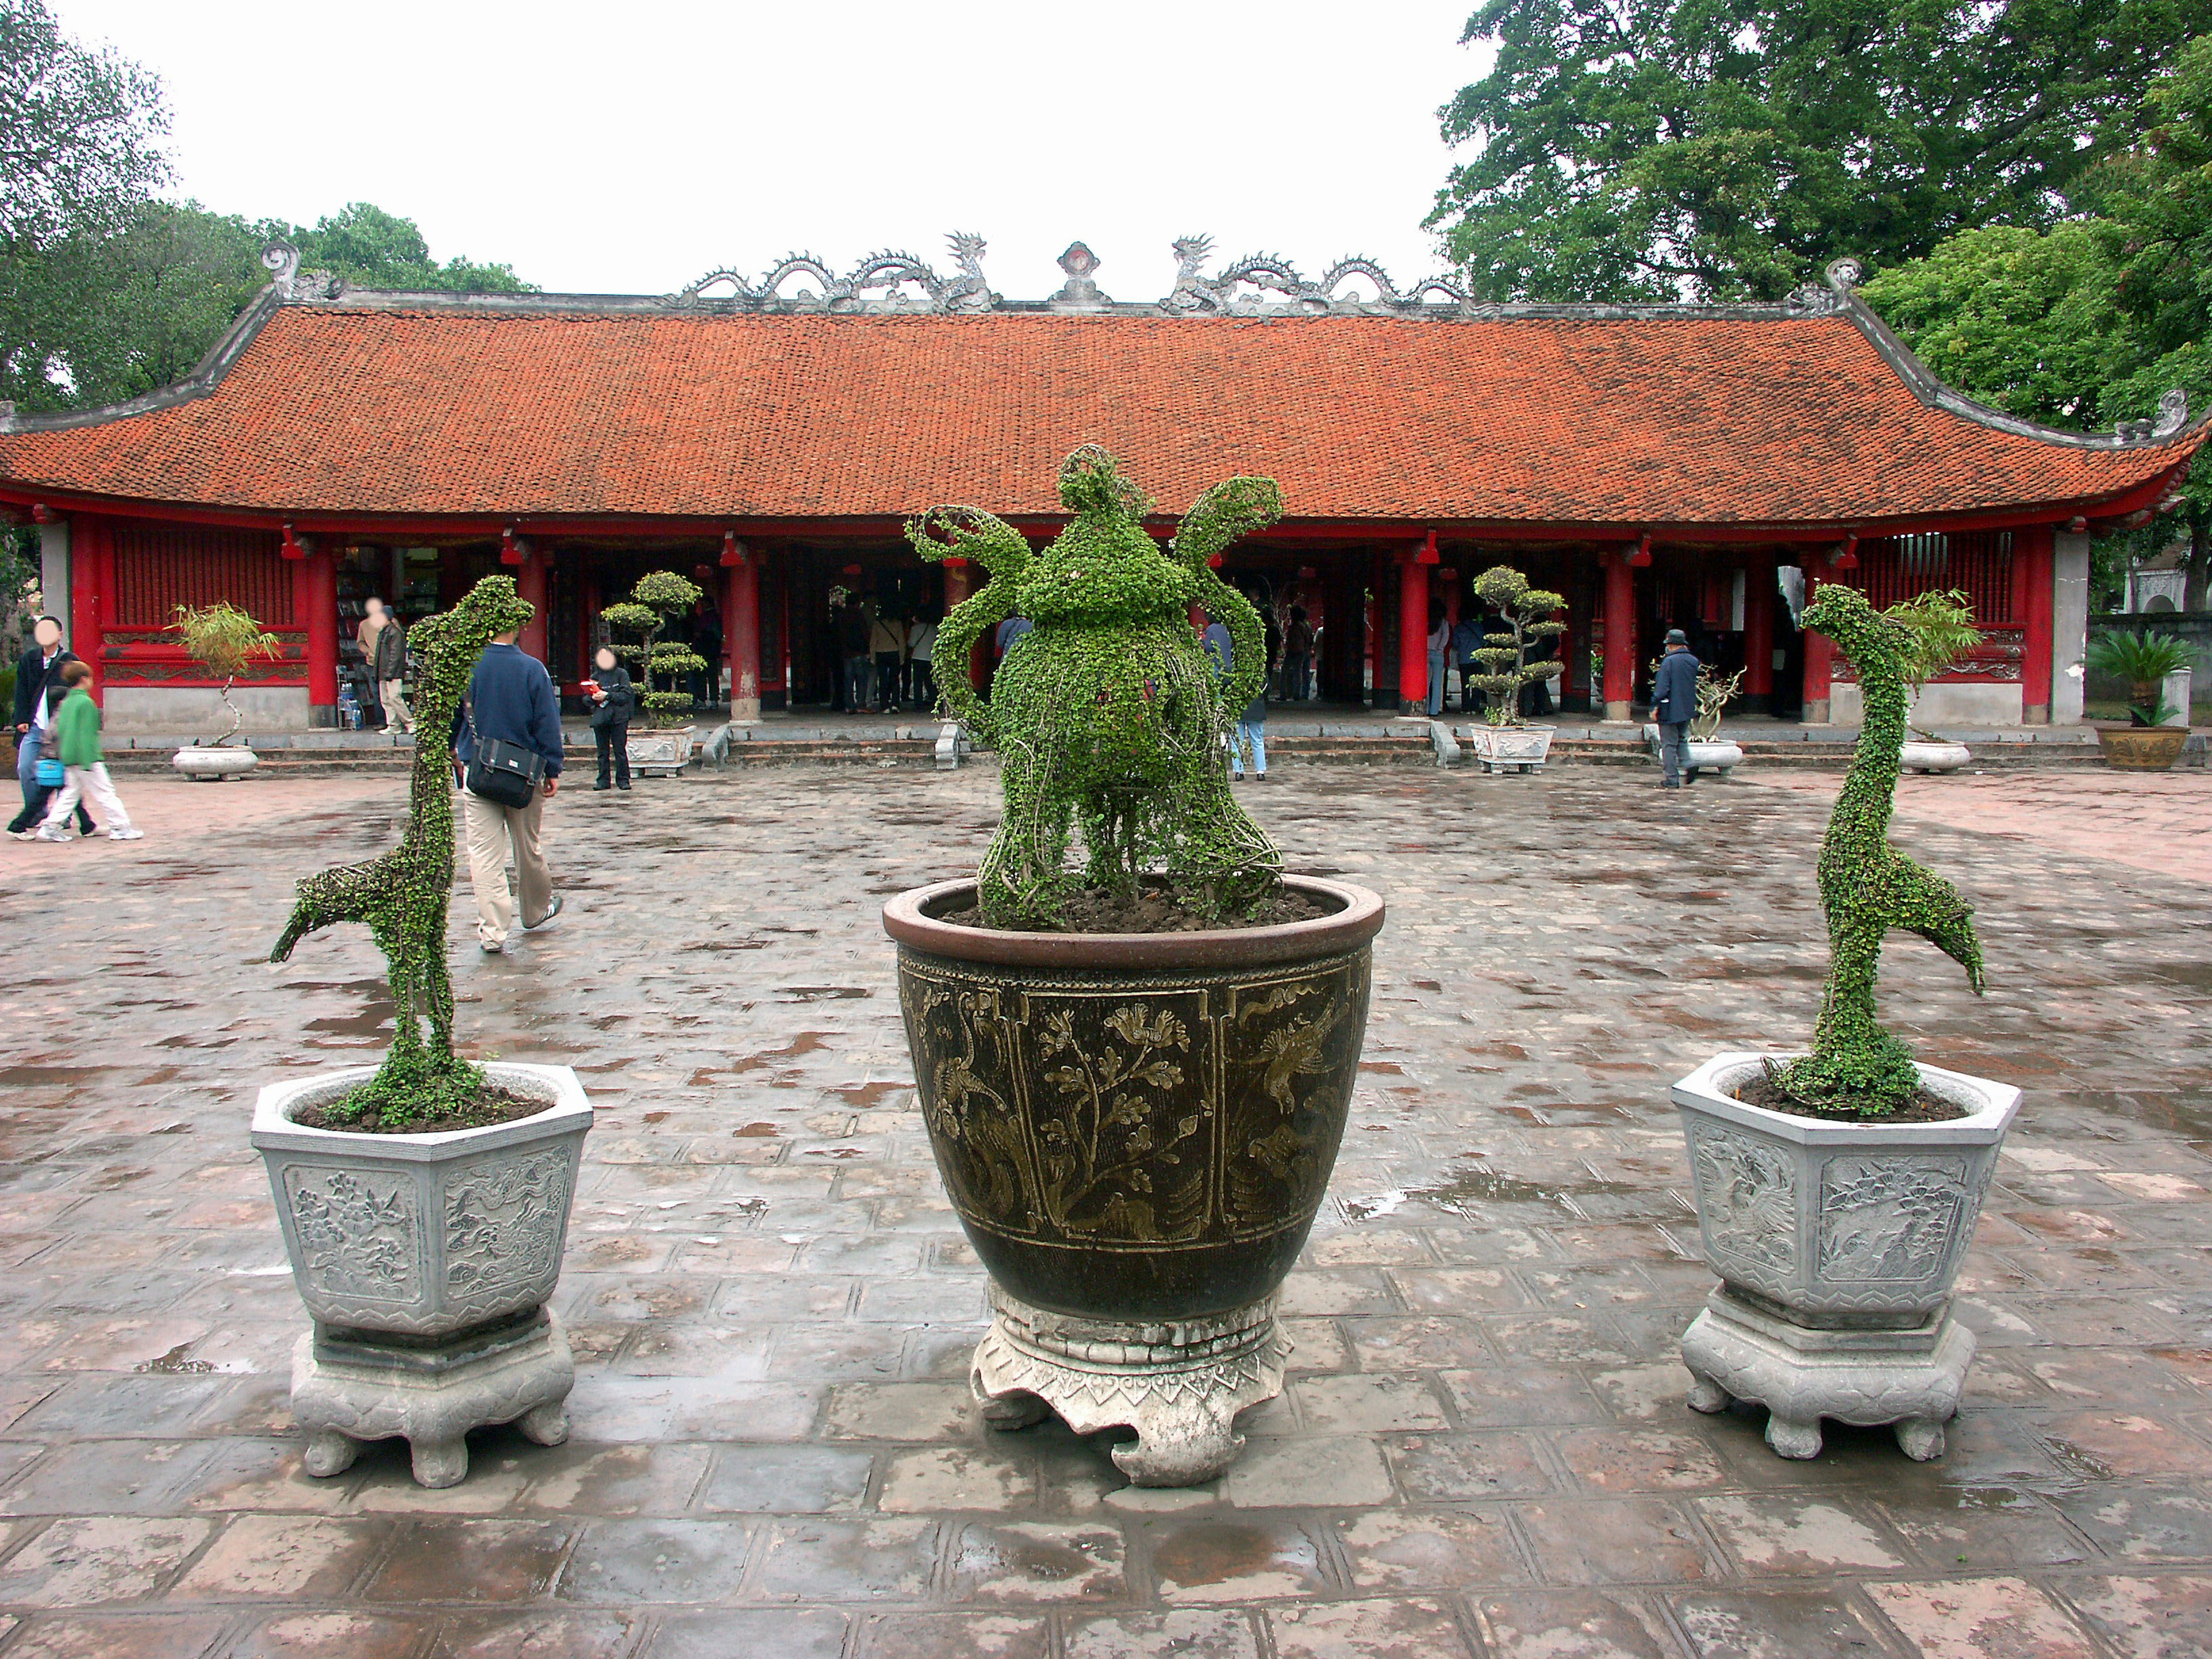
<point>1910,1378</point>
<point>1178,1383</point>
<point>346,1391</point>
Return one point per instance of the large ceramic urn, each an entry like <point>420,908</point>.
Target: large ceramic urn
<point>1136,1131</point>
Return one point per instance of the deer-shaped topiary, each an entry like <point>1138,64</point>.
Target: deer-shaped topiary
<point>402,896</point>
<point>1867,886</point>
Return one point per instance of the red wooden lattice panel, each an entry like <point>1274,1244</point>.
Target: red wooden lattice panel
<point>1897,568</point>
<point>160,567</point>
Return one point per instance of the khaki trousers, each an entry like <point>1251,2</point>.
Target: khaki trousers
<point>490,829</point>
<point>396,717</point>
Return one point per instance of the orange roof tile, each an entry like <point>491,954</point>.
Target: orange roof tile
<point>457,409</point>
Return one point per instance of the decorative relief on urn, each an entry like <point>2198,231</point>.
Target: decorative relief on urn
<point>1747,1198</point>
<point>504,1223</point>
<point>1891,1219</point>
<point>356,1231</point>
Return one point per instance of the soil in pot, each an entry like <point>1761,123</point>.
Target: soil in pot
<point>1760,1090</point>
<point>490,1105</point>
<point>1158,910</point>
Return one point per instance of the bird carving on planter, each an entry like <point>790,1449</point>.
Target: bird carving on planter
<point>402,896</point>
<point>1867,886</point>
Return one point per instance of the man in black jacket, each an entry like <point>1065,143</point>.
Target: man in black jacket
<point>39,673</point>
<point>511,699</point>
<point>1673,705</point>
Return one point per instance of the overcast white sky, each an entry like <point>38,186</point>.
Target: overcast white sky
<point>629,148</point>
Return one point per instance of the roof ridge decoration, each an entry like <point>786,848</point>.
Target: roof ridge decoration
<point>282,261</point>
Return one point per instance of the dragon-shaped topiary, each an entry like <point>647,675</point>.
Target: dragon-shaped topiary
<point>1867,886</point>
<point>1108,714</point>
<point>402,896</point>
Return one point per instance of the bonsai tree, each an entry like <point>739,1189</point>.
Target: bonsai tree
<point>658,596</point>
<point>1867,887</point>
<point>223,641</point>
<point>1940,629</point>
<point>1108,714</point>
<point>1526,612</point>
<point>402,896</point>
<point>2143,661</point>
<point>1716,691</point>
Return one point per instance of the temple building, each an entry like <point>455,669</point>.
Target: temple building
<point>1697,466</point>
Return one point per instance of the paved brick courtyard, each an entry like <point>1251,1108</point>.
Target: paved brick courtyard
<point>1484,1449</point>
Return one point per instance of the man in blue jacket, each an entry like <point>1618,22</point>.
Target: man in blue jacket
<point>511,698</point>
<point>1673,703</point>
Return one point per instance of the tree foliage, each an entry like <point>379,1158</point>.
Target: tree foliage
<point>223,641</point>
<point>659,597</point>
<point>80,132</point>
<point>1526,614</point>
<point>1663,149</point>
<point>1108,714</point>
<point>371,248</point>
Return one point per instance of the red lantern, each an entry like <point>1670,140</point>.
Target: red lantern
<point>510,550</point>
<point>292,549</point>
<point>41,513</point>
<point>1640,555</point>
<point>732,553</point>
<point>1214,561</point>
<point>1428,554</point>
<point>1847,556</point>
<point>954,562</point>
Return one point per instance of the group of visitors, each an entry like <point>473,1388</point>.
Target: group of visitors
<point>888,661</point>
<point>1453,645</point>
<point>383,641</point>
<point>57,762</point>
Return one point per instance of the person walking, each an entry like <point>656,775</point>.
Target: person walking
<point>38,692</point>
<point>1466,641</point>
<point>921,652</point>
<point>511,700</point>
<point>612,705</point>
<point>1439,643</point>
<point>1251,740</point>
<point>887,646</point>
<point>853,646</point>
<point>384,648</point>
<point>1673,703</point>
<point>1297,656</point>
<point>77,734</point>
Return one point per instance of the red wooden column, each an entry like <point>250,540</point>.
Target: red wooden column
<point>1619,635</point>
<point>530,586</point>
<point>1819,652</point>
<point>741,632</point>
<point>2031,552</point>
<point>1412,637</point>
<point>957,587</point>
<point>1759,595</point>
<point>91,571</point>
<point>318,577</point>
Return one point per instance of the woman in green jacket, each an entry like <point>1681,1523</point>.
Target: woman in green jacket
<point>84,774</point>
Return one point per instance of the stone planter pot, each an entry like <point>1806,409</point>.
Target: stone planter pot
<point>1523,748</point>
<point>425,1261</point>
<point>660,754</point>
<point>1705,754</point>
<point>1922,754</point>
<point>212,765</point>
<point>2142,747</point>
<point>1135,1131</point>
<point>1836,1245</point>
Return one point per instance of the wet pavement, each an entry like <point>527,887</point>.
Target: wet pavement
<point>1483,1449</point>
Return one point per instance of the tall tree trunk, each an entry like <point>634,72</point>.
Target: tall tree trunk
<point>2197,586</point>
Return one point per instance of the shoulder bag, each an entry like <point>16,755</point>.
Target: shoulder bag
<point>505,774</point>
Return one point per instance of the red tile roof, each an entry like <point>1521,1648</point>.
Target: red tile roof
<point>1705,418</point>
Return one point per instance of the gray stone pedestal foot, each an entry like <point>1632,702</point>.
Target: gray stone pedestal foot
<point>347,1389</point>
<point>1178,1383</point>
<point>1908,1377</point>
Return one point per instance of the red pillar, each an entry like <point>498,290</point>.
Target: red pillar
<point>1819,651</point>
<point>530,584</point>
<point>741,632</point>
<point>1413,637</point>
<point>1759,595</point>
<point>1620,636</point>
<point>92,568</point>
<point>957,587</point>
<point>319,581</point>
<point>2032,550</point>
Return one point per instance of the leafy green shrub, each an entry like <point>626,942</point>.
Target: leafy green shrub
<point>2143,661</point>
<point>1108,714</point>
<point>1526,612</point>
<point>658,596</point>
<point>1867,886</point>
<point>223,641</point>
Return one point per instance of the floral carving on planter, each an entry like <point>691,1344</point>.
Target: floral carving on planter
<point>1747,1198</point>
<point>504,1222</point>
<point>1887,1218</point>
<point>1115,1126</point>
<point>356,1234</point>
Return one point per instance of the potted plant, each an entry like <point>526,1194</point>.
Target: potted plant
<point>663,749</point>
<point>1527,615</point>
<point>1836,1188</point>
<point>2145,661</point>
<point>223,641</point>
<point>1940,631</point>
<point>424,1201</point>
<point>1709,752</point>
<point>1134,1037</point>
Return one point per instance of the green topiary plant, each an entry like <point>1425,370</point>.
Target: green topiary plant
<point>1867,886</point>
<point>402,896</point>
<point>658,596</point>
<point>2143,661</point>
<point>1527,614</point>
<point>1108,714</point>
<point>223,641</point>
